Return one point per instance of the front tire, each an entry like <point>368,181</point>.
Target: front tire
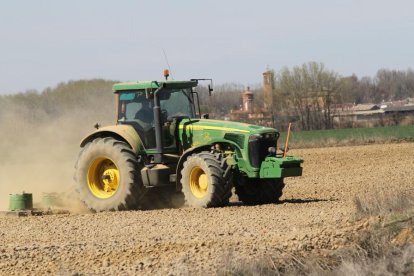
<point>259,191</point>
<point>203,183</point>
<point>107,176</point>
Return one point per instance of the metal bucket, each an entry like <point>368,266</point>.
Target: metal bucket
<point>22,201</point>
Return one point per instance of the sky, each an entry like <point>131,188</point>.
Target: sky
<point>45,42</point>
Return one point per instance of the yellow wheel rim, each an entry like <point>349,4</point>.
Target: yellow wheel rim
<point>198,182</point>
<point>103,177</point>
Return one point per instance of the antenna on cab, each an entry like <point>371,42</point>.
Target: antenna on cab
<point>168,65</point>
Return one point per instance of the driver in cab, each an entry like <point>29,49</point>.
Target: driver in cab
<point>145,115</point>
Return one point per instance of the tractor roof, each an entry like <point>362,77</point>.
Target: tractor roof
<point>153,84</point>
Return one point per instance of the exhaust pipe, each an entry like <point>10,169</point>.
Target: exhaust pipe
<point>158,127</point>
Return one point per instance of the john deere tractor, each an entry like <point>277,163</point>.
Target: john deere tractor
<point>161,142</point>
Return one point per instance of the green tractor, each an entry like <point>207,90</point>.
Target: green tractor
<point>162,144</point>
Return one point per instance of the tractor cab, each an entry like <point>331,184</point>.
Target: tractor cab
<point>149,105</point>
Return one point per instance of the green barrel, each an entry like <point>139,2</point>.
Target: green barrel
<point>20,202</point>
<point>50,200</point>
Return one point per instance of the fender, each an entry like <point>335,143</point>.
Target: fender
<point>124,133</point>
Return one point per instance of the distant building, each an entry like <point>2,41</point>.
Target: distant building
<point>365,107</point>
<point>248,98</point>
<point>366,115</point>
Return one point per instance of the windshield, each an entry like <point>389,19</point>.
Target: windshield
<point>177,103</point>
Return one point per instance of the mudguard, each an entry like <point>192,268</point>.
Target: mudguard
<point>124,133</point>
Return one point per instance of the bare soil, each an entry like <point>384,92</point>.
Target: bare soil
<point>317,214</point>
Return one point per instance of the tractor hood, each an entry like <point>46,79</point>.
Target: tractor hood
<point>225,126</point>
<point>200,132</point>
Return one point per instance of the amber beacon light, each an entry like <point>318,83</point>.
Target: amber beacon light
<point>166,73</point>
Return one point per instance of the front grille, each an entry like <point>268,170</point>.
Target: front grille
<point>259,147</point>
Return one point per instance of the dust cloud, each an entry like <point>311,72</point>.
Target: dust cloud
<point>38,150</point>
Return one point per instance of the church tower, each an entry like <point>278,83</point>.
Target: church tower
<point>268,87</point>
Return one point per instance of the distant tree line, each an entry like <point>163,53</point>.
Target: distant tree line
<point>86,97</point>
<point>310,91</point>
<point>387,85</point>
<point>307,93</point>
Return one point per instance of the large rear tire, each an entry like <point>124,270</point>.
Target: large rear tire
<point>259,191</point>
<point>107,176</point>
<point>203,182</point>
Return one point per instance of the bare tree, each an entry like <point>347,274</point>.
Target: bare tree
<point>309,90</point>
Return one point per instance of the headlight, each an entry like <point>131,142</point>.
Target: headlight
<point>265,136</point>
<point>254,137</point>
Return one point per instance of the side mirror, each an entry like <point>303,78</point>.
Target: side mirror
<point>210,90</point>
<point>205,116</point>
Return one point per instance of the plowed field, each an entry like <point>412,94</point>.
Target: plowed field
<point>316,214</point>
